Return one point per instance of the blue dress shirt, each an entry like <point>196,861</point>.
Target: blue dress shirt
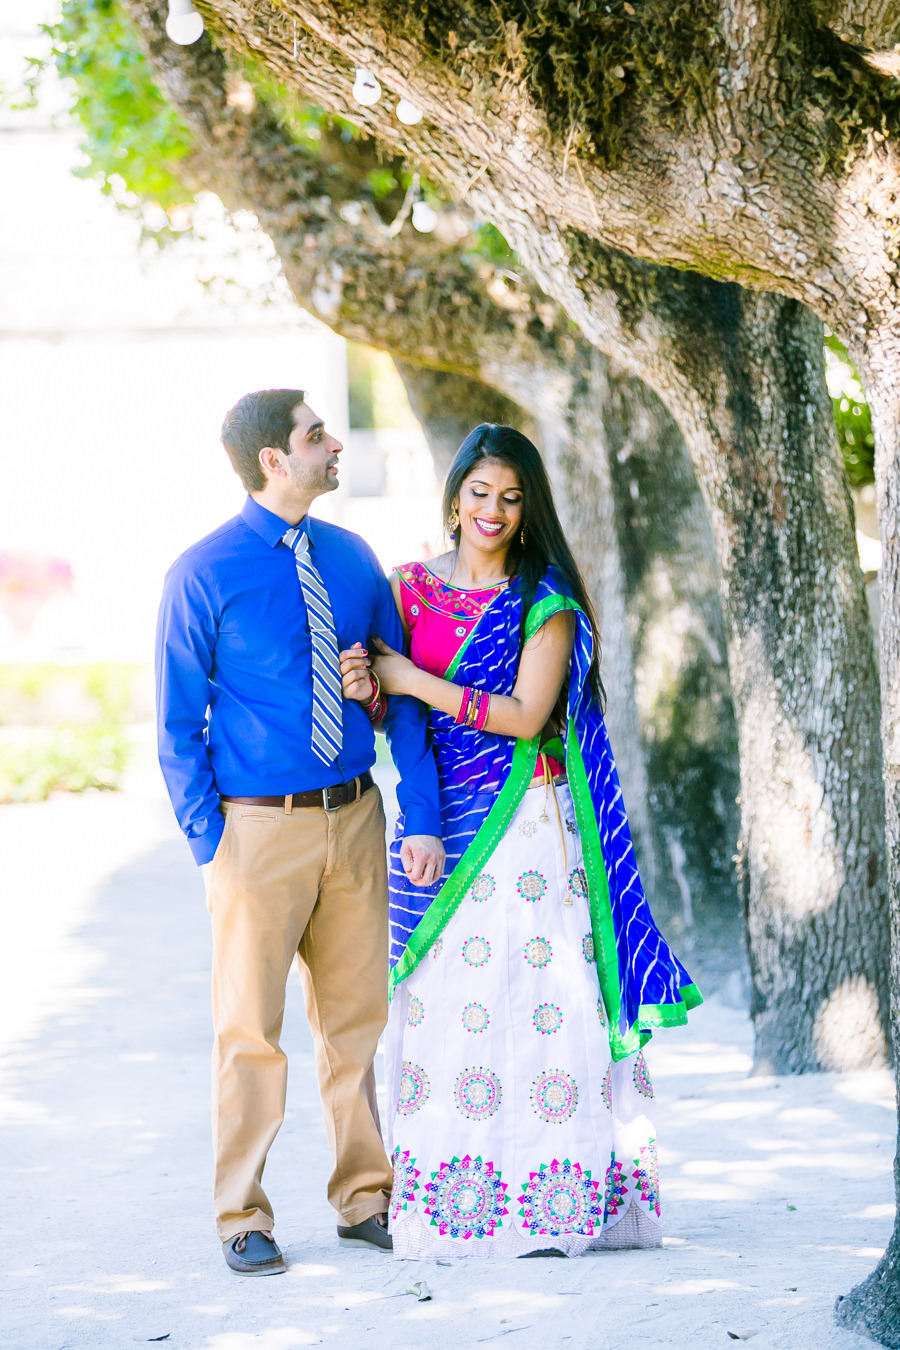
<point>234,675</point>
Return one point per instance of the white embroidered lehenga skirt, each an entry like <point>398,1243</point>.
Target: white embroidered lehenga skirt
<point>510,1127</point>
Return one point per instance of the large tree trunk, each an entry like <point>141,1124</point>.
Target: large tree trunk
<point>764,157</point>
<point>813,877</point>
<point>681,669</point>
<point>873,1307</point>
<point>805,692</point>
<point>743,376</point>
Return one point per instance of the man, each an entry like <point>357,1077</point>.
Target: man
<point>267,766</point>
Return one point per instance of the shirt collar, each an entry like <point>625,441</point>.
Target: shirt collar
<point>269,527</point>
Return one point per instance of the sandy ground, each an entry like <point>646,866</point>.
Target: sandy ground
<point>777,1192</point>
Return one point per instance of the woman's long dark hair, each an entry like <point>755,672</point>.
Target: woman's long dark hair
<point>545,543</point>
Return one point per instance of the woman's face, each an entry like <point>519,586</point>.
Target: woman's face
<point>490,507</point>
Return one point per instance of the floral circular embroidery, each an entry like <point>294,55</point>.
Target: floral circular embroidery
<point>601,1011</point>
<point>616,1190</point>
<point>646,1175</point>
<point>547,1018</point>
<point>641,1077</point>
<point>476,951</point>
<point>538,952</point>
<point>587,946</point>
<point>406,1182</point>
<point>554,1096</point>
<point>414,1089</point>
<point>415,1013</point>
<point>606,1090</point>
<point>528,828</point>
<point>483,887</point>
<point>532,886</point>
<point>477,1093</point>
<point>437,947</point>
<point>475,1017</point>
<point>561,1198</point>
<point>578,884</point>
<point>466,1198</point>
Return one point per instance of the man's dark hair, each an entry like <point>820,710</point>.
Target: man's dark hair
<point>257,420</point>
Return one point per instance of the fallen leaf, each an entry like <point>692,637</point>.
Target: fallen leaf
<point>420,1289</point>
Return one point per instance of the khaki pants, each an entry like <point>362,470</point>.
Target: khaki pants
<point>313,884</point>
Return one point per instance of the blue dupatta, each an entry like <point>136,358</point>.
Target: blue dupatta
<point>483,777</point>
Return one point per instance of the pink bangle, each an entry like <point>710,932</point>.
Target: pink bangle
<point>463,714</point>
<point>375,708</point>
<point>484,708</point>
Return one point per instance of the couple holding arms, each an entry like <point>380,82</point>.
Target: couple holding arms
<point>507,943</point>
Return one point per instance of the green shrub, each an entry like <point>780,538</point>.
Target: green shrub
<point>62,728</point>
<point>62,759</point>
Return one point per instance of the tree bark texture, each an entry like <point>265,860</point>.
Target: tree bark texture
<point>813,879</point>
<point>681,665</point>
<point>873,1307</point>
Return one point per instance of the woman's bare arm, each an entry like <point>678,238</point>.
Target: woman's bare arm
<point>524,713</point>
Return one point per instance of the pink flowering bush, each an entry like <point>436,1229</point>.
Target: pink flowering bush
<point>27,582</point>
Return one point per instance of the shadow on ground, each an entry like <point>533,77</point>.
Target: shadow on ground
<point>777,1192</point>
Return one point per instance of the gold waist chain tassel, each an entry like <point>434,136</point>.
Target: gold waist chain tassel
<point>550,786</point>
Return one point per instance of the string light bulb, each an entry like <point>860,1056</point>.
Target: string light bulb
<point>183,24</point>
<point>366,89</point>
<point>408,113</point>
<point>424,217</point>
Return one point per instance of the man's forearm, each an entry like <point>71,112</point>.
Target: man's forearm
<point>195,801</point>
<point>417,791</point>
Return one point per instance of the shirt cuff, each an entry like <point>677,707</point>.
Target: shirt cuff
<point>422,820</point>
<point>203,846</point>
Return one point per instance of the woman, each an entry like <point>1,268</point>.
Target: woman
<point>525,982</point>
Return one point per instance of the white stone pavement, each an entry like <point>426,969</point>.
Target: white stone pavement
<point>777,1192</point>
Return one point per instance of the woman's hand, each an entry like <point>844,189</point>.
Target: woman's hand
<point>396,673</point>
<point>355,682</point>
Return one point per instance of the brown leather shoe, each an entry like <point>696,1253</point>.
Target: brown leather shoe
<point>370,1233</point>
<point>253,1253</point>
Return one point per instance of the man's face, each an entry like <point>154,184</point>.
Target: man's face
<point>312,465</point>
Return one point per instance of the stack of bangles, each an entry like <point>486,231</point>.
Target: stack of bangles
<point>474,708</point>
<point>378,707</point>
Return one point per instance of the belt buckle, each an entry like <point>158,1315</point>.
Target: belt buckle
<point>326,798</point>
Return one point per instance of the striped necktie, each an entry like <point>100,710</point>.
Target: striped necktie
<point>327,717</point>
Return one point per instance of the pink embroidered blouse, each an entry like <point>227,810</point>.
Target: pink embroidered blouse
<point>440,617</point>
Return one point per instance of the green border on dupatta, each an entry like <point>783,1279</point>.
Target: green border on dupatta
<point>621,1044</point>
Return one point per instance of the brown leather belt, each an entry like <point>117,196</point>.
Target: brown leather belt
<point>328,799</point>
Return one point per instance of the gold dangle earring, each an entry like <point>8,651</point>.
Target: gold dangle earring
<point>523,533</point>
<point>453,521</point>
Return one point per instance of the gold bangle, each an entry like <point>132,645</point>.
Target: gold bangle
<point>376,695</point>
